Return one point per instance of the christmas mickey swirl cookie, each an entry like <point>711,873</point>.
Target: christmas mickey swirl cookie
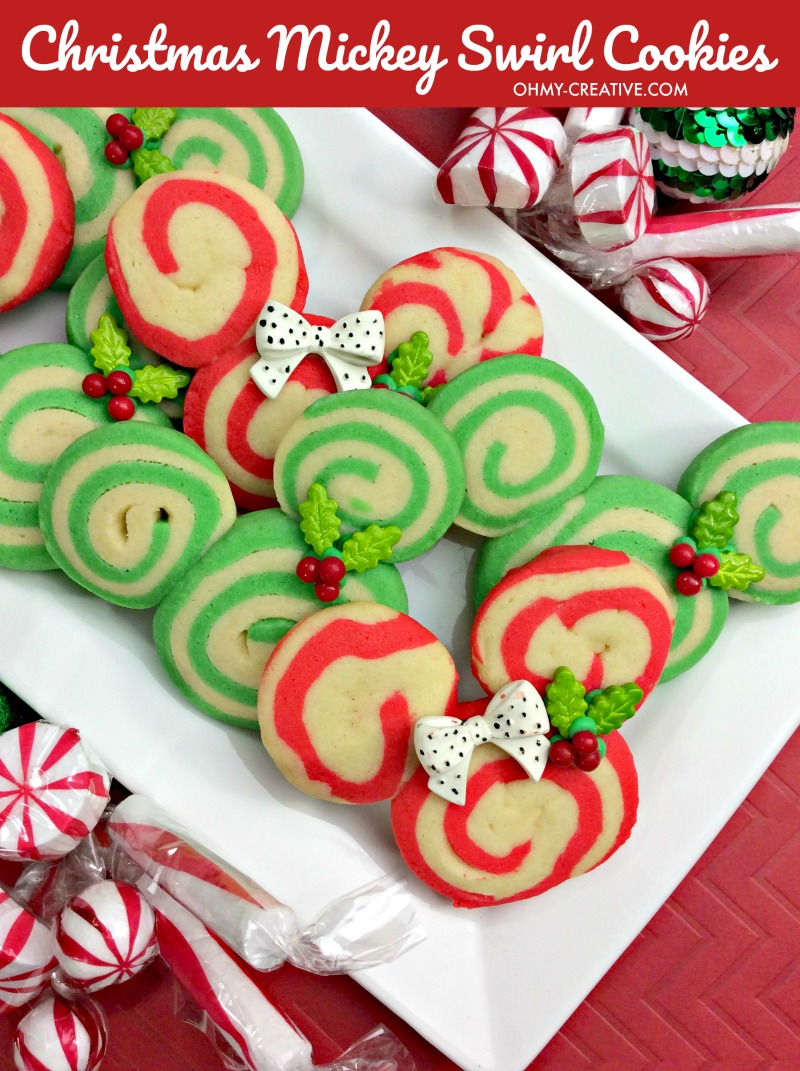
<point>469,304</point>
<point>192,257</point>
<point>608,618</point>
<point>624,513</point>
<point>37,215</point>
<point>341,694</point>
<point>127,510</point>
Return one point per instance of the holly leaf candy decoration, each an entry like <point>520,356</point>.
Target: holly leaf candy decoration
<point>411,362</point>
<point>715,521</point>
<point>109,345</point>
<point>614,705</point>
<point>737,571</point>
<point>155,382</point>
<point>320,524</point>
<point>150,162</point>
<point>364,550</point>
<point>564,700</point>
<point>154,122</point>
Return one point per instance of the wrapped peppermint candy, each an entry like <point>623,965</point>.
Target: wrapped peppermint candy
<point>582,121</point>
<point>104,936</point>
<point>370,926</point>
<point>665,299</point>
<point>613,191</point>
<point>52,791</point>
<point>57,1036</point>
<point>504,157</point>
<point>26,954</point>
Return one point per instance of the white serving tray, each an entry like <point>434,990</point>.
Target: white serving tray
<point>485,987</point>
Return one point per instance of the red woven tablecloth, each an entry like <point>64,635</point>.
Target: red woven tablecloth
<point>714,981</point>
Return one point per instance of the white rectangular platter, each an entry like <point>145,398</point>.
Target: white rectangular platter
<point>484,986</point>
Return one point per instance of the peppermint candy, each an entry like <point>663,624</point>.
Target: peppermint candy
<point>665,299</point>
<point>56,1036</point>
<point>26,954</point>
<point>52,791</point>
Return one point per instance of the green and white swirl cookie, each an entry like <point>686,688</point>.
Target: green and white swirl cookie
<point>42,411</point>
<point>89,298</point>
<point>251,143</point>
<point>530,436</point>
<point>127,510</point>
<point>625,513</point>
<point>760,463</point>
<point>383,457</point>
<point>217,628</point>
<point>79,138</point>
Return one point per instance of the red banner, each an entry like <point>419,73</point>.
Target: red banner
<point>418,54</point>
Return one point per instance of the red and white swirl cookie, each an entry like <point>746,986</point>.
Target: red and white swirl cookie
<point>37,215</point>
<point>470,305</point>
<point>606,617</point>
<point>193,256</point>
<point>515,837</point>
<point>341,694</point>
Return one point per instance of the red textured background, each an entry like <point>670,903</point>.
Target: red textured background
<point>713,982</point>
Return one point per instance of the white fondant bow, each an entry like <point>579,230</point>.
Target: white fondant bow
<point>515,720</point>
<point>284,338</point>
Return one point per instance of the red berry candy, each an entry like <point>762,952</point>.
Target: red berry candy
<point>682,555</point>
<point>584,742</point>
<point>326,592</point>
<point>119,382</point>
<point>331,570</point>
<point>121,408</point>
<point>706,565</point>
<point>116,153</point>
<point>94,385</point>
<point>688,583</point>
<point>116,123</point>
<point>589,762</point>
<point>562,753</point>
<point>307,569</point>
<point>131,137</point>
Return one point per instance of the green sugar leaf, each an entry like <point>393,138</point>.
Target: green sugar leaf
<point>155,382</point>
<point>564,700</point>
<point>429,393</point>
<point>109,345</point>
<point>154,122</point>
<point>320,524</point>
<point>411,361</point>
<point>715,521</point>
<point>614,705</point>
<point>150,162</point>
<point>737,571</point>
<point>364,550</point>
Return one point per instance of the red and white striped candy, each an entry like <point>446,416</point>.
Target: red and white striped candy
<point>26,954</point>
<point>104,936</point>
<point>613,190</point>
<point>52,791</point>
<point>665,300</point>
<point>506,157</point>
<point>37,215</point>
<point>582,121</point>
<point>57,1036</point>
<point>193,256</point>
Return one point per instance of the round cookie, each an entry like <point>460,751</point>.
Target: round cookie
<point>383,457</point>
<point>606,617</point>
<point>341,694</point>
<point>470,305</point>
<point>79,138</point>
<point>42,411</point>
<point>216,629</point>
<point>37,215</point>
<point>127,510</point>
<point>760,463</point>
<point>515,838</point>
<point>252,143</point>
<point>193,256</point>
<point>88,299</point>
<point>625,513</point>
<point>530,436</point>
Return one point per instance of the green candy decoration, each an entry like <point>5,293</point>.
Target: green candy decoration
<point>110,352</point>
<point>320,524</point>
<point>408,367</point>
<point>150,162</point>
<point>154,122</point>
<point>737,571</point>
<point>572,711</point>
<point>614,705</point>
<point>364,550</point>
<point>715,521</point>
<point>565,700</point>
